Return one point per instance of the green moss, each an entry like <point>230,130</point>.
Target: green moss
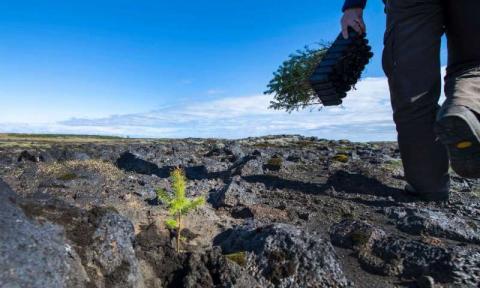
<point>262,145</point>
<point>359,238</point>
<point>68,177</point>
<point>341,157</point>
<point>344,149</point>
<point>305,143</point>
<point>275,163</point>
<point>239,257</point>
<point>348,215</point>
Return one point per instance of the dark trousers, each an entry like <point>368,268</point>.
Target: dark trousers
<point>411,61</point>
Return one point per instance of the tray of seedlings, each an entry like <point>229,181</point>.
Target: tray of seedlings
<point>340,68</point>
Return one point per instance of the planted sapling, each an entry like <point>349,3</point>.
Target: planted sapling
<point>178,204</point>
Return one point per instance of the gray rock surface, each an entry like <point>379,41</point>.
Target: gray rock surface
<point>34,254</point>
<point>460,265</point>
<point>393,255</point>
<point>203,270</point>
<point>233,194</point>
<point>355,234</point>
<point>112,253</point>
<point>286,256</point>
<point>435,223</point>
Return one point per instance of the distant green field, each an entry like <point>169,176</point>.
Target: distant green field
<point>14,140</point>
<point>50,136</point>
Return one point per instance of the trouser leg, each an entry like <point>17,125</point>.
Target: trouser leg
<point>411,61</point>
<point>462,83</point>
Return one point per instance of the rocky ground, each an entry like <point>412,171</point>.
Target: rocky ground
<point>284,211</point>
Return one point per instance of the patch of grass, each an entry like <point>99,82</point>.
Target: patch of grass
<point>25,141</point>
<point>23,145</point>
<point>69,170</point>
<point>341,157</point>
<point>239,257</point>
<point>56,136</point>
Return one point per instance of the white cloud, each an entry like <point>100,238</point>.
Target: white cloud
<point>215,91</point>
<point>365,115</point>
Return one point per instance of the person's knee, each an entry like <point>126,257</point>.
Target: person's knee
<point>410,117</point>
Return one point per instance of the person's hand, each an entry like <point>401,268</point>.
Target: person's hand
<point>353,18</point>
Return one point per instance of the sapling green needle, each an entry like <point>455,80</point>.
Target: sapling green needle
<point>178,204</point>
<point>290,86</point>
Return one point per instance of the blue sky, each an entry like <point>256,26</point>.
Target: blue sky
<point>174,69</point>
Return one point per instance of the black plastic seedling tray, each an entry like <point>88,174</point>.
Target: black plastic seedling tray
<point>341,68</point>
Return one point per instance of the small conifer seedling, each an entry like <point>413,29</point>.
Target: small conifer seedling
<point>178,204</point>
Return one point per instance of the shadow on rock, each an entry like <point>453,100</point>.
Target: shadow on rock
<point>131,163</point>
<point>347,182</point>
<point>275,182</point>
<point>339,185</point>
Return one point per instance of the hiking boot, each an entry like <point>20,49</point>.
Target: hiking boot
<point>459,129</point>
<point>439,196</point>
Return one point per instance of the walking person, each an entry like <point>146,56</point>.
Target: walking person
<point>429,135</point>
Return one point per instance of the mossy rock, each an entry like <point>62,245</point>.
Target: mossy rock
<point>341,157</point>
<point>68,177</point>
<point>239,257</point>
<point>344,149</point>
<point>394,164</point>
<point>275,163</point>
<point>359,238</point>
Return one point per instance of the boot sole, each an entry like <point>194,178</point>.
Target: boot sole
<point>459,131</point>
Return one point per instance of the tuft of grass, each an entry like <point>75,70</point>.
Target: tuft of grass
<point>341,157</point>
<point>70,170</point>
<point>239,257</point>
